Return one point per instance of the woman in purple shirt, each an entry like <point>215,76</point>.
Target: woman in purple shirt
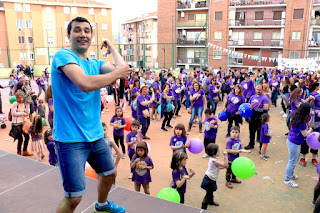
<point>232,103</point>
<point>198,100</point>
<point>300,128</point>
<point>176,90</point>
<point>136,87</point>
<point>213,95</point>
<point>274,84</point>
<point>143,102</point>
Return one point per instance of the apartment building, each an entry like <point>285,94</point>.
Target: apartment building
<point>140,37</point>
<point>33,31</point>
<point>261,28</point>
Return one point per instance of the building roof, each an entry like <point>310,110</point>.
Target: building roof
<point>76,3</point>
<point>153,15</point>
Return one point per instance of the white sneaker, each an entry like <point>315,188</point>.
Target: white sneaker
<point>130,176</point>
<point>284,115</point>
<point>123,156</point>
<point>205,155</point>
<point>291,183</point>
<point>282,112</point>
<point>294,177</point>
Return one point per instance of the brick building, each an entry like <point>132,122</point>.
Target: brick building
<point>32,31</point>
<point>139,36</point>
<point>273,28</point>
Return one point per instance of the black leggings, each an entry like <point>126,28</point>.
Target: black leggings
<point>304,149</point>
<point>207,141</point>
<point>177,105</point>
<point>19,134</point>
<point>120,139</point>
<point>167,118</point>
<point>231,118</point>
<point>283,107</point>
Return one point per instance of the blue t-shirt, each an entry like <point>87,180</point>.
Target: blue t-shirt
<point>76,113</point>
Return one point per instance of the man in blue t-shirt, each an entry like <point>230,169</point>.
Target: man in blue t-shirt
<point>77,129</point>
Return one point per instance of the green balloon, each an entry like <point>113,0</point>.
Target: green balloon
<point>243,168</point>
<point>44,122</point>
<point>12,99</point>
<point>169,194</point>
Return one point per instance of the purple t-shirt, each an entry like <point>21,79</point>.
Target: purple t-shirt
<point>119,122</point>
<point>264,130</point>
<point>157,85</point>
<point>130,138</point>
<point>34,137</point>
<point>248,88</point>
<point>199,101</point>
<point>318,169</point>
<point>53,159</point>
<point>211,93</point>
<point>178,175</point>
<point>293,104</point>
<point>140,108</point>
<point>50,103</point>
<point>234,145</point>
<point>141,176</point>
<point>41,82</point>
<point>228,84</point>
<point>316,101</point>
<point>156,98</point>
<point>295,135</point>
<point>274,84</point>
<point>175,89</point>
<point>131,81</point>
<point>178,141</point>
<point>234,101</point>
<point>209,132</point>
<point>258,102</point>
<point>135,90</point>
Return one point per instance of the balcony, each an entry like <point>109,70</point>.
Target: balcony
<point>191,61</point>
<point>192,5</point>
<point>315,22</point>
<point>190,42</point>
<point>257,3</point>
<point>252,23</point>
<point>191,24</point>
<point>256,43</point>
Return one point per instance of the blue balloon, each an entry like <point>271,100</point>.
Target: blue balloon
<point>223,116</point>
<point>245,110</point>
<point>159,109</point>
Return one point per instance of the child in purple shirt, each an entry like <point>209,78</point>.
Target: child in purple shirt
<point>48,140</point>
<point>178,142</point>
<point>210,129</point>
<point>265,135</point>
<point>234,148</point>
<point>180,174</point>
<point>141,164</point>
<point>119,123</point>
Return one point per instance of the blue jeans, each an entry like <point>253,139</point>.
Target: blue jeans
<point>294,152</point>
<point>188,102</point>
<point>274,97</point>
<point>196,111</point>
<point>145,123</point>
<point>213,106</point>
<point>72,158</point>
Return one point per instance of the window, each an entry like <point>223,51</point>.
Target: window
<point>91,11</point>
<point>257,36</point>
<point>294,54</point>
<point>31,56</point>
<point>274,55</point>
<point>66,10</point>
<point>104,55</point>
<point>218,0</point>
<point>218,35</point>
<point>259,16</point>
<point>30,40</point>
<point>67,41</point>
<point>216,54</point>
<point>277,15</point>
<point>200,17</point>
<point>27,7</point>
<point>66,23</point>
<point>49,25</point>
<point>50,40</point>
<point>51,56</point>
<point>131,58</point>
<point>1,65</point>
<point>104,12</point>
<point>298,13</point>
<point>74,10</point>
<point>17,7</point>
<point>23,56</point>
<point>218,16</point>
<point>190,16</point>
<point>21,39</point>
<point>148,35</point>
<point>239,57</point>
<point>148,47</point>
<point>148,59</point>
<point>296,35</point>
<point>92,54</point>
<point>93,25</point>
<point>48,10</point>
<point>19,23</point>
<point>104,26</point>
<point>93,40</point>
<point>312,55</point>
<point>28,23</point>
<point>276,35</point>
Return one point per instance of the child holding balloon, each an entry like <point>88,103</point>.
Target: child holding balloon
<point>119,123</point>
<point>178,142</point>
<point>132,139</point>
<point>180,174</point>
<point>209,180</point>
<point>141,164</point>
<point>210,129</point>
<point>265,135</point>
<point>36,130</point>
<point>233,148</point>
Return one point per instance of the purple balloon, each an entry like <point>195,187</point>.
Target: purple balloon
<point>196,146</point>
<point>313,140</point>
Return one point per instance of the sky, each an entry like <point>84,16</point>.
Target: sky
<point>123,10</point>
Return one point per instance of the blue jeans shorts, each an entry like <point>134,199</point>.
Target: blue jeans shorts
<point>72,158</point>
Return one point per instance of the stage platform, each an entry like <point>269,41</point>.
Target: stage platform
<point>31,187</point>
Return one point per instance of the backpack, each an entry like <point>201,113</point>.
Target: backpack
<point>10,114</point>
<point>38,81</point>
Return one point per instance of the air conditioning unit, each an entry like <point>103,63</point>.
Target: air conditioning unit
<point>182,14</point>
<point>184,32</point>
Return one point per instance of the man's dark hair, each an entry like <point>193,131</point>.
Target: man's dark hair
<point>77,19</point>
